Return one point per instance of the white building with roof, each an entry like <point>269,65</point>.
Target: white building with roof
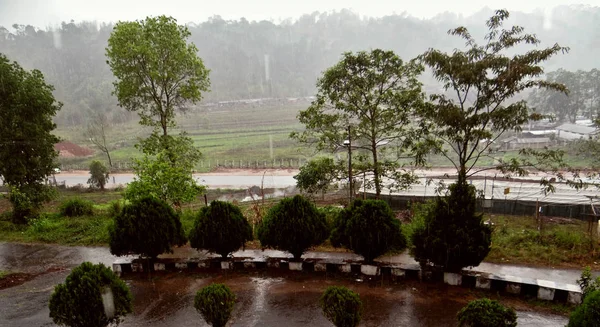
<point>570,131</point>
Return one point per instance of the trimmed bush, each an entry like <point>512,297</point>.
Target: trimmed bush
<point>453,235</point>
<point>215,303</point>
<point>76,208</point>
<point>368,228</point>
<point>220,228</point>
<point>486,313</point>
<point>78,302</point>
<point>341,306</point>
<point>293,225</point>
<point>147,227</point>
<point>588,313</point>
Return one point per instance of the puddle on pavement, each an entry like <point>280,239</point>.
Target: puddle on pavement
<point>292,300</point>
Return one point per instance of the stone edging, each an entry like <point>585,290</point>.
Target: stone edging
<point>540,289</point>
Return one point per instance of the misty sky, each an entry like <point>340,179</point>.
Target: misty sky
<point>45,13</point>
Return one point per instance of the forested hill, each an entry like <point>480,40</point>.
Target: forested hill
<point>264,59</point>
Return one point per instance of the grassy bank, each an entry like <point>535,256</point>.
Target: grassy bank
<point>516,239</point>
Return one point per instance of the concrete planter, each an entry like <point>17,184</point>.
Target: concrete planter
<point>320,267</point>
<point>295,266</point>
<point>226,265</point>
<point>345,268</point>
<point>369,270</point>
<point>452,279</point>
<point>483,283</point>
<point>543,290</point>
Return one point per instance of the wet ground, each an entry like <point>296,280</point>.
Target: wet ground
<point>264,299</point>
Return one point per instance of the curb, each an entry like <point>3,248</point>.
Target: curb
<point>525,287</point>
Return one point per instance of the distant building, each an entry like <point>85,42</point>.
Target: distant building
<point>516,143</point>
<point>568,132</point>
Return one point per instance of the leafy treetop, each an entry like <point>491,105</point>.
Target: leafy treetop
<point>481,80</point>
<point>157,71</point>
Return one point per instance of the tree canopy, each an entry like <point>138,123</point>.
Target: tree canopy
<point>27,107</point>
<point>157,70</point>
<point>369,99</point>
<point>480,82</point>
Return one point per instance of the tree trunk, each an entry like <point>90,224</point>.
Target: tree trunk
<point>109,160</point>
<point>376,173</point>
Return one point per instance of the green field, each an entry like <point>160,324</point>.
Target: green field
<point>253,133</point>
<point>231,135</point>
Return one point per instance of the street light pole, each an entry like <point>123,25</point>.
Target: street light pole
<point>349,144</point>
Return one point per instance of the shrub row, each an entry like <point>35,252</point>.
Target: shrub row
<point>450,234</point>
<point>149,227</point>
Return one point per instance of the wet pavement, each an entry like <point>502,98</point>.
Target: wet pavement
<point>35,258</point>
<point>264,298</point>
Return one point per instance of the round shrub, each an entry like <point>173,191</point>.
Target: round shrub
<point>486,313</point>
<point>293,225</point>
<point>220,228</point>
<point>341,306</point>
<point>453,235</point>
<point>215,303</point>
<point>368,228</point>
<point>78,302</point>
<point>76,208</point>
<point>588,313</point>
<point>147,227</point>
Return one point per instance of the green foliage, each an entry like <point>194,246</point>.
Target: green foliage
<point>168,175</point>
<point>479,82</point>
<point>341,306</point>
<point>588,313</point>
<point>293,225</point>
<point>27,200</point>
<point>157,70</point>
<point>147,227</point>
<point>27,107</point>
<point>453,235</point>
<point>369,98</point>
<point>98,175</point>
<point>220,228</point>
<point>78,302</point>
<point>76,208</point>
<point>486,313</point>
<point>368,228</point>
<point>587,283</point>
<point>215,303</point>
<point>331,213</point>
<point>318,175</point>
<point>114,208</point>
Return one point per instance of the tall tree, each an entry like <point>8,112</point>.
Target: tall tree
<point>482,79</point>
<point>369,98</point>
<point>27,153</point>
<point>157,70</point>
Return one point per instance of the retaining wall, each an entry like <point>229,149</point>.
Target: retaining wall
<point>526,287</point>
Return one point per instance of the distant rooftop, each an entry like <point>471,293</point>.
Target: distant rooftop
<point>579,129</point>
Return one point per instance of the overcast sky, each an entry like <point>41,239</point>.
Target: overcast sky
<point>43,13</point>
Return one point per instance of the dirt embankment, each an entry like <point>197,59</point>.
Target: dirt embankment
<point>70,150</point>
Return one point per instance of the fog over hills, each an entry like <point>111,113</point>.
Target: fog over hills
<point>283,58</point>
